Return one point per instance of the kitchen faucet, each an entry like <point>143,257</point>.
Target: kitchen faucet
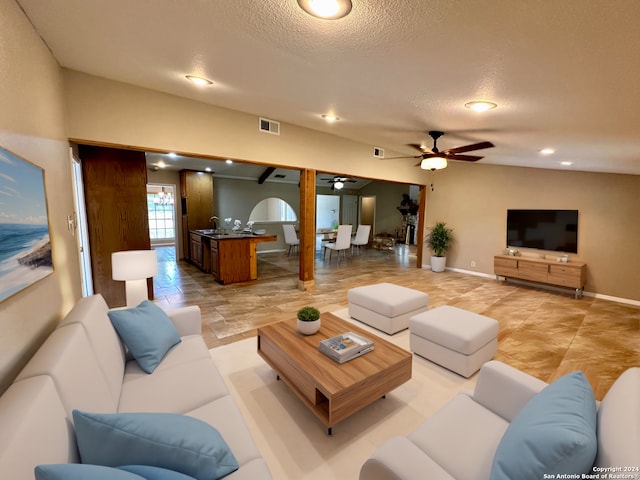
<point>214,224</point>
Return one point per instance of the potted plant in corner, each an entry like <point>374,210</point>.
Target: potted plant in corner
<point>439,241</point>
<point>308,320</point>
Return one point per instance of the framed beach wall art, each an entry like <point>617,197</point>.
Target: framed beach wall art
<point>25,246</point>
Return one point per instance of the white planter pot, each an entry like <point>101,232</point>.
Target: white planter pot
<point>438,263</point>
<point>308,328</point>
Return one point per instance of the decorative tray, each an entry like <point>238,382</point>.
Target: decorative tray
<point>345,347</point>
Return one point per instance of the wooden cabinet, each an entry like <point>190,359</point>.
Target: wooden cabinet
<point>233,260</point>
<point>230,259</point>
<point>567,275</point>
<point>196,203</point>
<point>195,247</point>
<point>570,274</point>
<point>215,259</point>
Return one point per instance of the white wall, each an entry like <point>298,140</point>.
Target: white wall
<point>32,127</point>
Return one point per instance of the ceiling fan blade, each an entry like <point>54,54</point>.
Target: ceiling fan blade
<point>402,158</point>
<point>469,148</point>
<point>420,148</point>
<point>466,158</point>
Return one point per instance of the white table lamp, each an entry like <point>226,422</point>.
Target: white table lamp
<point>134,267</point>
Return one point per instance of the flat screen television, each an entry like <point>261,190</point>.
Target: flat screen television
<point>554,230</point>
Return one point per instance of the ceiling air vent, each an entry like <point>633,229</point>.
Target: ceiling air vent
<point>269,126</point>
<point>279,175</point>
<point>378,152</point>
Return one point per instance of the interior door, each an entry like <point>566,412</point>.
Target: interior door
<point>368,212</point>
<point>81,231</point>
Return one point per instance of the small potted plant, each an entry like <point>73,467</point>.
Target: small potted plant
<point>439,241</point>
<point>308,320</point>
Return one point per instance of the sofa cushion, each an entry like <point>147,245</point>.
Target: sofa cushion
<point>68,358</point>
<point>461,425</point>
<point>147,331</point>
<point>225,416</point>
<point>82,471</point>
<point>92,314</point>
<point>79,471</point>
<point>179,389</point>
<point>398,458</point>
<point>555,432</point>
<point>155,473</point>
<point>176,442</point>
<point>35,428</point>
<point>619,422</point>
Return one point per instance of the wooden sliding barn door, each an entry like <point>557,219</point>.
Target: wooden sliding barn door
<point>115,190</point>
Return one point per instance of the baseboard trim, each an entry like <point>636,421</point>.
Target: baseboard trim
<point>628,301</point>
<point>471,272</point>
<point>600,296</point>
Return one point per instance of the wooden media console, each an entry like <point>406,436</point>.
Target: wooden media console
<point>541,270</point>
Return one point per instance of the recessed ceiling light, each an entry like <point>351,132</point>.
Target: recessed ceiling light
<point>480,105</point>
<point>228,161</point>
<point>200,81</point>
<point>172,154</point>
<point>330,118</point>
<point>326,9</point>
<point>208,169</point>
<point>547,151</point>
<point>566,164</point>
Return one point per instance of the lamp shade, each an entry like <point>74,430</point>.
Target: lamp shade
<point>134,264</point>
<point>433,163</point>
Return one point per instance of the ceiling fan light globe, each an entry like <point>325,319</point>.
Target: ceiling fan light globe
<point>338,185</point>
<point>433,163</point>
<point>326,9</point>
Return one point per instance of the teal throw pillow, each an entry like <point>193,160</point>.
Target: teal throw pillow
<point>155,473</point>
<point>147,331</point>
<point>554,433</point>
<point>166,440</point>
<point>78,471</point>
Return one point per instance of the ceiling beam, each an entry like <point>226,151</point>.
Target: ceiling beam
<point>266,174</point>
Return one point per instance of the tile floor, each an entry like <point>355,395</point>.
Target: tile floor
<point>543,332</point>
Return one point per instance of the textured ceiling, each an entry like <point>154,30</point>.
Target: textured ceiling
<point>565,74</point>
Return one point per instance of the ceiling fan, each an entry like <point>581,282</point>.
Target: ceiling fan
<point>338,182</point>
<point>435,159</point>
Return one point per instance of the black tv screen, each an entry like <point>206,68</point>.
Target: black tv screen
<point>555,230</point>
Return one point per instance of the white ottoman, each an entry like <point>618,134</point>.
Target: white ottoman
<point>386,306</point>
<point>457,339</point>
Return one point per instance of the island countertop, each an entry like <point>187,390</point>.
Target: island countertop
<point>230,256</point>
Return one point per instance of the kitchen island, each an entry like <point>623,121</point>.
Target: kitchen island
<point>229,257</point>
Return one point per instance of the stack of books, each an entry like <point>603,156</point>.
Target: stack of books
<point>345,347</point>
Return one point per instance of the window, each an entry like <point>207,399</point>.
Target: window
<point>160,204</point>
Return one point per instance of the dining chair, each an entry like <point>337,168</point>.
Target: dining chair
<point>342,243</point>
<point>362,237</point>
<point>290,237</point>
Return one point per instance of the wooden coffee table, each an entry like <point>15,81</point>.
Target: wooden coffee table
<point>332,391</point>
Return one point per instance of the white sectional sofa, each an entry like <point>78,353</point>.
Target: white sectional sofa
<point>459,442</point>
<point>83,365</point>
